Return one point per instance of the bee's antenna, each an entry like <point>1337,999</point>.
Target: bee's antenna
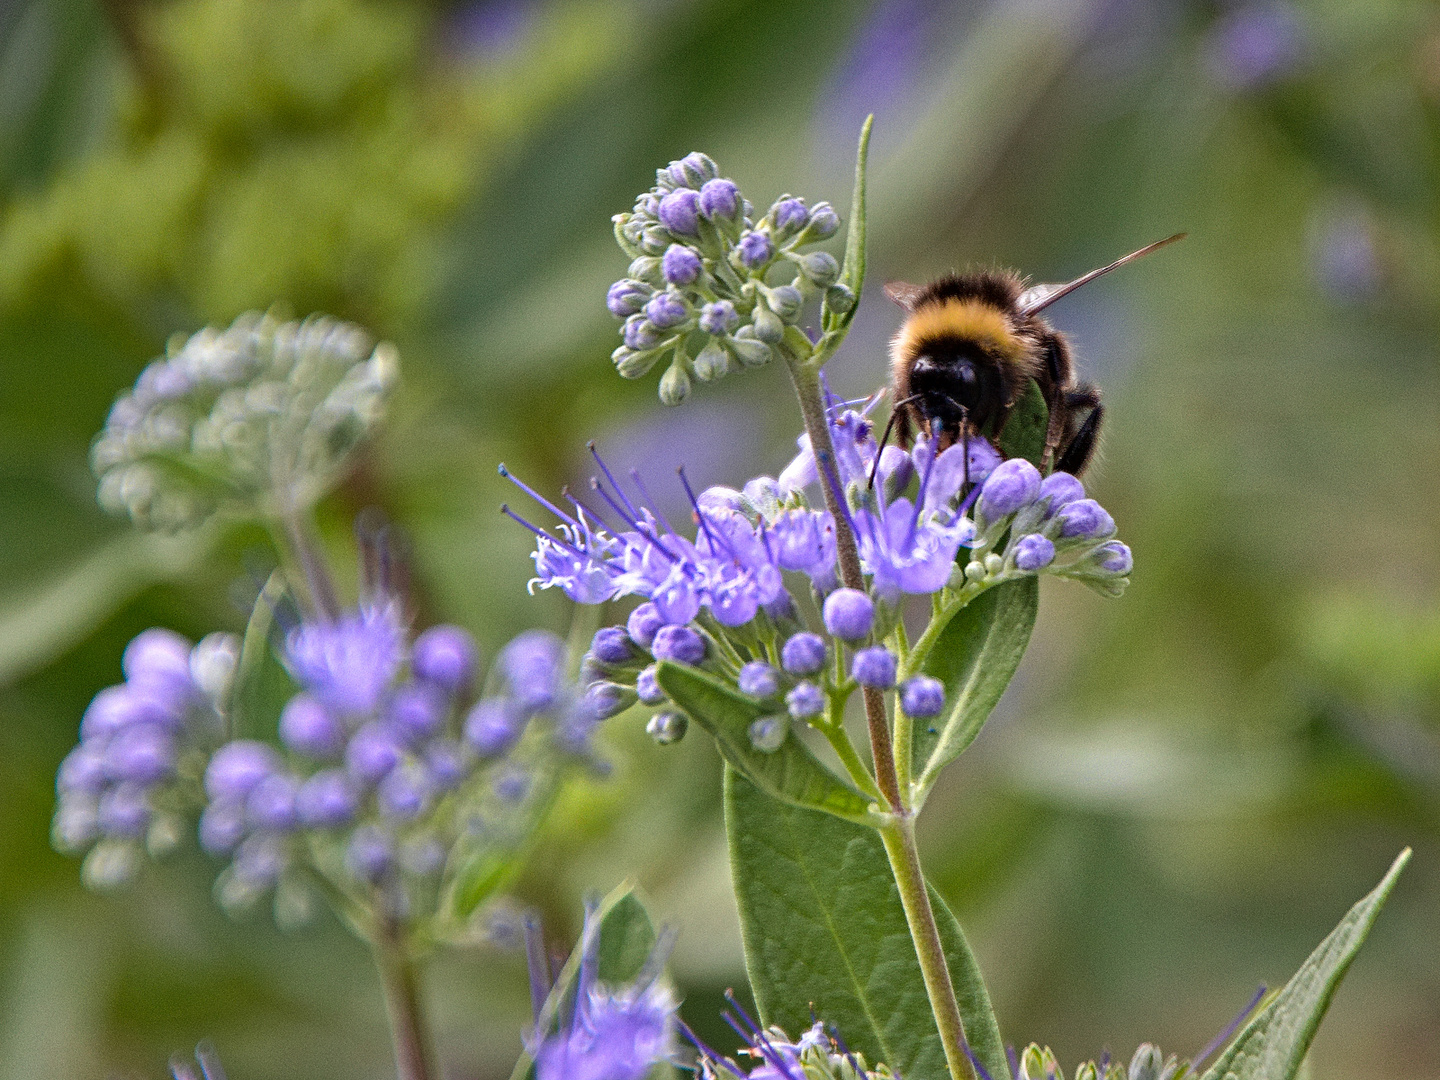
<point>885,439</point>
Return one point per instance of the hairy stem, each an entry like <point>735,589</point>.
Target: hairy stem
<point>817,426</point>
<point>400,982</point>
<point>898,836</point>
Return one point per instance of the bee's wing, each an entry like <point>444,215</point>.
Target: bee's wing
<point>903,293</point>
<point>1039,297</point>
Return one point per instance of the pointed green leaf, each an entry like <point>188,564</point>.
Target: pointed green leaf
<point>1273,1044</point>
<point>852,270</point>
<point>1025,426</point>
<point>823,923</point>
<point>975,657</point>
<point>792,773</point>
<point>262,683</point>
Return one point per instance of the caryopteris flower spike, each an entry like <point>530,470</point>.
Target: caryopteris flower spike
<point>255,420</point>
<point>710,286</point>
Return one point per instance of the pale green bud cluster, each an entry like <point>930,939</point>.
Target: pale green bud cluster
<point>1148,1063</point>
<point>259,418</point>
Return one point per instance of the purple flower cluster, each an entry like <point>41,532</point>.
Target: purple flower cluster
<point>817,1053</point>
<point>698,288</point>
<point>381,733</point>
<point>122,787</point>
<point>609,1032</point>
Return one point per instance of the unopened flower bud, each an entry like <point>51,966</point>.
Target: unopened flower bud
<point>754,250</point>
<point>693,170</point>
<point>640,333</point>
<point>805,700</point>
<point>674,384</point>
<point>1013,484</point>
<point>824,223</point>
<point>803,653</point>
<point>680,265</point>
<point>1114,558</point>
<point>789,216</point>
<point>719,318</point>
<point>720,199</point>
<point>631,364</point>
<point>711,363</point>
<point>626,297</point>
<point>680,212</point>
<point>369,856</point>
<point>1033,552</point>
<point>237,767</point>
<point>785,301</point>
<point>644,622</point>
<point>308,728</point>
<point>840,298</point>
<point>1058,489</point>
<point>666,310</point>
<point>492,727</point>
<point>767,733</point>
<point>821,268</point>
<point>611,645</point>
<point>750,352</point>
<point>667,727</point>
<point>678,643</point>
<point>922,697</point>
<point>759,680</point>
<point>646,270</point>
<point>1085,519</point>
<point>767,325</point>
<point>849,614</point>
<point>445,656</point>
<point>654,240</point>
<point>647,687</point>
<point>874,667</point>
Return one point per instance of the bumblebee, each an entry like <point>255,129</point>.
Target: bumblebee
<point>968,347</point>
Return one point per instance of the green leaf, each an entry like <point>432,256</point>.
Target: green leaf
<point>262,683</point>
<point>823,923</point>
<point>975,657</point>
<point>1025,426</point>
<point>1273,1044</point>
<point>852,270</point>
<point>792,773</point>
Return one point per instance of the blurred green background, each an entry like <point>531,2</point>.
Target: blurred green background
<point>1183,790</point>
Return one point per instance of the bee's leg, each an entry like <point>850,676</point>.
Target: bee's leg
<point>1077,452</point>
<point>1057,367</point>
<point>898,413</point>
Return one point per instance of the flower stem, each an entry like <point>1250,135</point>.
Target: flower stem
<point>301,543</point>
<point>898,835</point>
<point>400,982</point>
<point>817,426</point>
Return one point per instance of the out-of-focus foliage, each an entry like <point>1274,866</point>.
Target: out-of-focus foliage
<point>1183,790</point>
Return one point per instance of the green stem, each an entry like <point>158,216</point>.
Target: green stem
<point>301,546</point>
<point>898,835</point>
<point>399,979</point>
<point>817,426</point>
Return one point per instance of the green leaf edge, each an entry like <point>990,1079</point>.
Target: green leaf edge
<point>791,774</point>
<point>852,271</point>
<point>1253,1048</point>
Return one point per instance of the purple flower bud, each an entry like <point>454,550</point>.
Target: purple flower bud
<point>805,701</point>
<point>719,199</point>
<point>789,216</point>
<point>271,803</point>
<point>605,699</point>
<point>532,664</point>
<point>124,811</point>
<point>445,656</point>
<point>372,753</point>
<point>611,645</point>
<point>679,212</point>
<point>222,827</point>
<point>759,679</point>
<point>803,654</point>
<point>666,310</point>
<point>259,862</point>
<point>1114,558</point>
<point>1085,519</point>
<point>648,688</point>
<point>112,709</point>
<point>849,614</point>
<point>161,659</point>
<point>644,622</point>
<point>422,856</point>
<point>307,728</point>
<point>922,697</point>
<point>755,250</point>
<point>692,170</point>
<point>327,800</point>
<point>767,733</point>
<point>1033,552</point>
<point>824,223</point>
<point>875,667</point>
<point>1013,484</point>
<point>237,767</point>
<point>369,855</point>
<point>82,771</point>
<point>76,825</point>
<point>678,643</point>
<point>1060,489</point>
<point>492,727</point>
<point>142,753</point>
<point>448,762</point>
<point>512,785</point>
<point>719,318</point>
<point>404,794</point>
<point>626,297</point>
<point>418,711</point>
<point>680,265</point>
<point>641,334</point>
<point>667,728</point>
